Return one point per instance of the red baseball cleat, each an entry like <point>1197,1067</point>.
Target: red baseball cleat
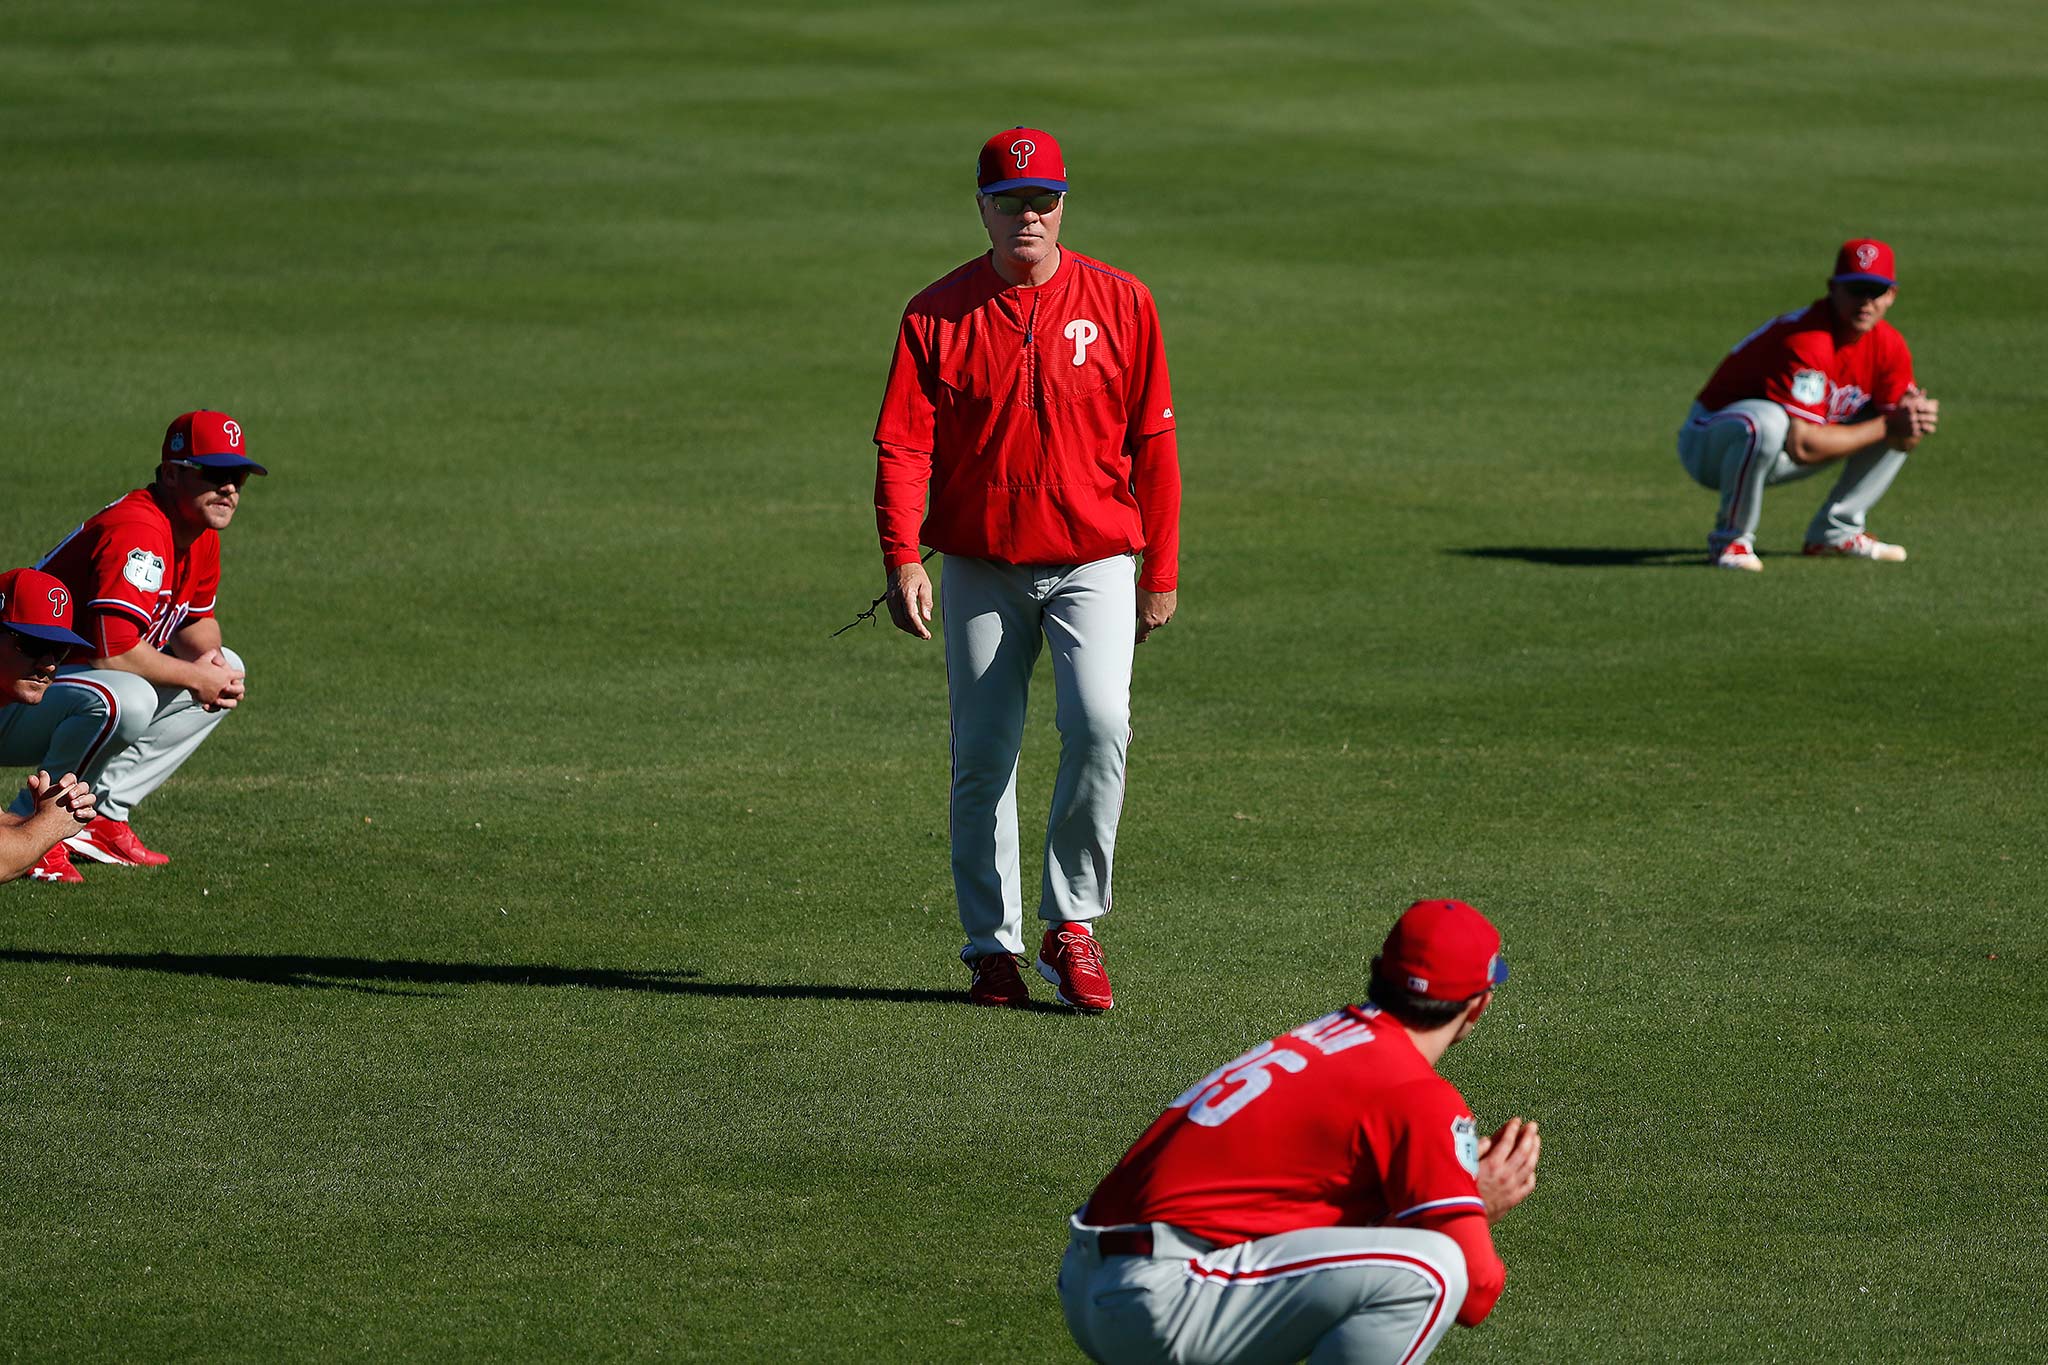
<point>1864,546</point>
<point>996,982</point>
<point>1738,555</point>
<point>1071,959</point>
<point>112,841</point>
<point>54,867</point>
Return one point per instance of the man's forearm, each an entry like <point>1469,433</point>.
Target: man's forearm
<point>1811,443</point>
<point>154,666</point>
<point>196,639</point>
<point>24,839</point>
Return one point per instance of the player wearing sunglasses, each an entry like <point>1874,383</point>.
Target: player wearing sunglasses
<point>35,637</point>
<point>1027,435</point>
<point>145,572</point>
<point>1830,382</point>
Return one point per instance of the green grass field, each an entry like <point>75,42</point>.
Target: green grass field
<point>558,959</point>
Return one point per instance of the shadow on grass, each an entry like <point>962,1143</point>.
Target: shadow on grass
<point>1584,556</point>
<point>383,977</point>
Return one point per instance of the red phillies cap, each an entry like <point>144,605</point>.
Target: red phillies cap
<point>38,604</point>
<point>1445,950</point>
<point>1865,258</point>
<point>1022,156</point>
<point>210,439</point>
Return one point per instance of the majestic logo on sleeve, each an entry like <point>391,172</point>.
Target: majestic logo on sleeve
<point>1809,387</point>
<point>1022,149</point>
<point>144,570</point>
<point>1865,255</point>
<point>1465,1138</point>
<point>1082,333</point>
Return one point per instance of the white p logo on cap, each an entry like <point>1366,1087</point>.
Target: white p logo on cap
<point>1022,149</point>
<point>234,433</point>
<point>60,600</point>
<point>1865,254</point>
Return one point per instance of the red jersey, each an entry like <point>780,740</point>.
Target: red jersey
<point>1814,368</point>
<point>1339,1123</point>
<point>1038,419</point>
<point>129,578</point>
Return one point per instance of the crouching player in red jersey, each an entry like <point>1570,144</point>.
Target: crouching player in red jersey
<point>145,571</point>
<point>1028,398</point>
<point>35,637</point>
<point>1326,1196</point>
<point>1831,382</point>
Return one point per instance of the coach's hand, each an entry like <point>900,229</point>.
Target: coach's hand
<point>1155,609</point>
<point>910,600</point>
<point>1507,1166</point>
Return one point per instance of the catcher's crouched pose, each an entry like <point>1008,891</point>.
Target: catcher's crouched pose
<point>1326,1196</point>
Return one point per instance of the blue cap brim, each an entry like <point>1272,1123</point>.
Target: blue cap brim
<point>224,462</point>
<point>1500,969</point>
<point>1005,186</point>
<point>56,635</point>
<point>1859,275</point>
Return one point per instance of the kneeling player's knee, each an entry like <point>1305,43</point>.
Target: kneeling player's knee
<point>1772,426</point>
<point>234,660</point>
<point>132,702</point>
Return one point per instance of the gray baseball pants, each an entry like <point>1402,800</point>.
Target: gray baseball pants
<point>1740,450</point>
<point>1331,1296</point>
<point>119,732</point>
<point>996,617</point>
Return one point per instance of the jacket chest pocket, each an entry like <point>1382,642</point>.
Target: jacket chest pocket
<point>1065,383</point>
<point>969,387</point>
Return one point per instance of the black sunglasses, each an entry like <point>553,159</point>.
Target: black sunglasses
<point>1013,204</point>
<point>35,646</point>
<point>1866,289</point>
<point>234,474</point>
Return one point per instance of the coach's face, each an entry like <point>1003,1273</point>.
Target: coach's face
<point>1861,304</point>
<point>202,499</point>
<point>1028,238</point>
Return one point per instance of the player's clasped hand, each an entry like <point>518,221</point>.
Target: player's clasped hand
<point>910,600</point>
<point>1914,416</point>
<point>1507,1166</point>
<point>67,794</point>
<point>224,685</point>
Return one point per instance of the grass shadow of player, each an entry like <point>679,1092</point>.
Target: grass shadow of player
<point>391,976</point>
<point>1584,556</point>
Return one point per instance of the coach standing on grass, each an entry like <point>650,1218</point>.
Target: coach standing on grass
<point>1028,400</point>
<point>1324,1196</point>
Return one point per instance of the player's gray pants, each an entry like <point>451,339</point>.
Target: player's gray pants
<point>995,617</point>
<point>119,732</point>
<point>1740,450</point>
<point>1383,1296</point>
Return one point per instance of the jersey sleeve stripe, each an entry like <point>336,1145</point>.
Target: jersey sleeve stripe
<point>1428,1206</point>
<point>124,607</point>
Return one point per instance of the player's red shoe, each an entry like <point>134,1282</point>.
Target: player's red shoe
<point>1737,555</point>
<point>55,866</point>
<point>996,982</point>
<point>1864,546</point>
<point>1071,959</point>
<point>112,841</point>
